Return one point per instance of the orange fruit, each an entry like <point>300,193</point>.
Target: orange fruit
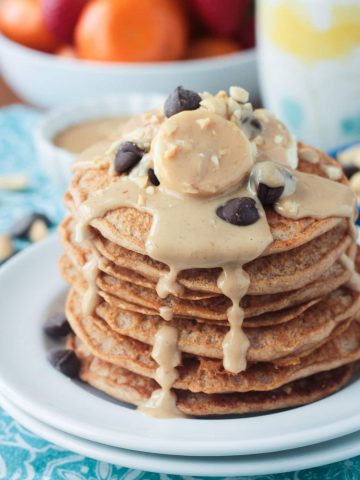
<point>212,47</point>
<point>131,31</point>
<point>66,51</point>
<point>22,21</point>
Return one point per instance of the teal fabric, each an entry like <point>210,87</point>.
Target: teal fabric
<point>24,456</point>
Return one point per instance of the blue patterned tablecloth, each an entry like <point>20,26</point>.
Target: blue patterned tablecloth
<point>24,456</point>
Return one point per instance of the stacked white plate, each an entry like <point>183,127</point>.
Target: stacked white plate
<point>81,419</point>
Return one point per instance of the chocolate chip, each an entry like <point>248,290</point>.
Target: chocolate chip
<point>65,361</point>
<point>268,195</point>
<point>153,178</point>
<point>350,170</point>
<point>57,326</point>
<point>251,126</point>
<point>180,100</point>
<point>239,211</point>
<point>21,228</point>
<point>127,156</point>
<point>255,123</point>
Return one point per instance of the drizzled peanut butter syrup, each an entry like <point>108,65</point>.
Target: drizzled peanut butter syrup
<point>317,197</point>
<point>165,352</point>
<point>234,283</point>
<point>91,298</point>
<point>203,160</point>
<point>166,313</point>
<point>200,237</point>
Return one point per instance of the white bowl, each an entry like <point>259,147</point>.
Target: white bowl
<point>56,161</point>
<point>48,80</point>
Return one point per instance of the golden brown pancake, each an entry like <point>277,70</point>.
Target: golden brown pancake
<point>201,374</point>
<point>135,389</point>
<point>135,298</point>
<point>298,314</point>
<point>271,274</point>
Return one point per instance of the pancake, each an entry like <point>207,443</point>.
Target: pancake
<point>130,228</point>
<point>271,274</point>
<point>135,389</point>
<point>205,374</point>
<point>117,316</point>
<point>266,344</point>
<point>254,306</point>
<point>211,263</point>
<point>207,309</point>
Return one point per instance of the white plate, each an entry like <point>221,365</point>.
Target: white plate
<point>29,283</point>
<point>265,464</point>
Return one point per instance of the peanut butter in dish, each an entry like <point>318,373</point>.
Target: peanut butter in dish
<point>81,136</point>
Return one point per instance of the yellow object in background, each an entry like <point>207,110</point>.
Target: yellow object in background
<point>310,33</point>
<point>309,63</point>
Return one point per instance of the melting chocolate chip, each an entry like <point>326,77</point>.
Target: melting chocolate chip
<point>180,100</point>
<point>127,156</point>
<point>21,228</point>
<point>255,123</point>
<point>57,326</point>
<point>350,170</point>
<point>65,361</point>
<point>153,178</point>
<point>251,126</point>
<point>239,211</point>
<point>268,195</point>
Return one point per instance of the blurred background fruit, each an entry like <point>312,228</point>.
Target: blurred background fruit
<point>61,16</point>
<point>132,31</point>
<point>112,46</point>
<point>212,47</point>
<point>222,17</point>
<point>66,51</point>
<point>23,22</point>
<point>233,19</point>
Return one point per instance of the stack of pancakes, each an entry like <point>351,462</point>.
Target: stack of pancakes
<point>300,311</point>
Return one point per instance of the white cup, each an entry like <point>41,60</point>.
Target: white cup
<point>309,60</point>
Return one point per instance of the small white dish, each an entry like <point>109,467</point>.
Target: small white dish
<point>266,464</point>
<point>49,80</point>
<point>29,285</point>
<point>56,161</point>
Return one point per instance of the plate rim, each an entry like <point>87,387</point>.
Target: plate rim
<point>115,456</point>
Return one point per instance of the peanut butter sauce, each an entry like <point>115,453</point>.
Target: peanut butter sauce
<point>274,143</point>
<point>91,298</point>
<point>203,159</point>
<point>166,313</point>
<point>162,403</point>
<point>317,197</point>
<point>234,283</point>
<point>81,136</point>
<point>198,240</point>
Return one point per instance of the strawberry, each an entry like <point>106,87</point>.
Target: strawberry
<point>61,16</point>
<point>223,17</point>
